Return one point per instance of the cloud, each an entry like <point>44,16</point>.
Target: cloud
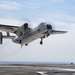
<point>9,5</point>
<point>57,1</point>
<point>31,5</point>
<point>8,21</point>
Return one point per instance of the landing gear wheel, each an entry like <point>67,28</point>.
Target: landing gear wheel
<point>20,41</point>
<point>26,44</point>
<point>41,42</point>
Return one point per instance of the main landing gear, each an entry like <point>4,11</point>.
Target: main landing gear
<point>20,41</point>
<point>41,42</point>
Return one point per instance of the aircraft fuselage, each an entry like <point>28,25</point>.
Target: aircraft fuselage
<point>39,32</point>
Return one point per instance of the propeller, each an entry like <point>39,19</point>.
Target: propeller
<point>52,24</point>
<point>26,22</point>
<point>49,23</point>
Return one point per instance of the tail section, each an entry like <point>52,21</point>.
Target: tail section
<point>7,36</point>
<point>1,38</point>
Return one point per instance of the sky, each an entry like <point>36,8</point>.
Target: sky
<point>56,48</point>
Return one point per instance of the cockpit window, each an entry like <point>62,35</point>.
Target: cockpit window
<point>49,27</point>
<point>42,23</point>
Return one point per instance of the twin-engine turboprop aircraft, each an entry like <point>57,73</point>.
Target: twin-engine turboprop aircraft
<point>25,34</point>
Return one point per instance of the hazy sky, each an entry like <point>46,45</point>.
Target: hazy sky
<point>56,48</point>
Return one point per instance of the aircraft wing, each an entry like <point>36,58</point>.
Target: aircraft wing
<point>14,29</point>
<point>8,28</point>
<point>58,32</point>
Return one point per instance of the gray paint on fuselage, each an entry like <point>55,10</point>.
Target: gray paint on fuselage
<point>34,34</point>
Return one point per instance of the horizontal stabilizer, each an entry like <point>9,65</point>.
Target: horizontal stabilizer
<point>8,37</point>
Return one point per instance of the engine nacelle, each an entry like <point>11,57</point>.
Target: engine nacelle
<point>1,38</point>
<point>22,29</point>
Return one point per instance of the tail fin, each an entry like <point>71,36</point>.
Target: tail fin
<point>5,37</point>
<point>1,38</point>
<point>8,34</point>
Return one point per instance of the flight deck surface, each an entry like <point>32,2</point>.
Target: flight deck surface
<point>34,69</point>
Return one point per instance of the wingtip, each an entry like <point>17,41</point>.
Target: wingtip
<point>65,31</point>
